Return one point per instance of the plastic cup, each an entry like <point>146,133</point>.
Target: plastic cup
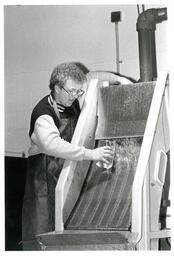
<point>110,143</point>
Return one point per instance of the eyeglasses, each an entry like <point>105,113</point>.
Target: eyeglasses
<point>73,92</point>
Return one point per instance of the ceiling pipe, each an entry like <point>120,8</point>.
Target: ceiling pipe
<point>146,26</point>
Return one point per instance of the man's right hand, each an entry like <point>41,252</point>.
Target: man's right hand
<point>102,154</point>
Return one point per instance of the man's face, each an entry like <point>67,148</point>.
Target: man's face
<point>67,95</point>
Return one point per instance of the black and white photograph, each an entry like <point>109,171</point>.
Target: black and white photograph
<point>87,163</point>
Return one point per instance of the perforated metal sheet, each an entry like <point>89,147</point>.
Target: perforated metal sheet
<point>123,110</point>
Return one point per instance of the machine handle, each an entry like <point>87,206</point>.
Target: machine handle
<point>160,167</point>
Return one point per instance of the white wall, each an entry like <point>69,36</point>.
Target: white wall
<point>37,38</point>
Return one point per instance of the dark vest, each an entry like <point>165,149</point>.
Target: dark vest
<point>38,214</point>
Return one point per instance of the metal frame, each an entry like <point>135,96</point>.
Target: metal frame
<point>146,194</point>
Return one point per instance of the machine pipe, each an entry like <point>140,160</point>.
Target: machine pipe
<point>146,26</point>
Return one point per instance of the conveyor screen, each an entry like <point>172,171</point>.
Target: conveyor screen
<point>105,199</point>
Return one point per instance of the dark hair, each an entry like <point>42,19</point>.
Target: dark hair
<point>65,71</point>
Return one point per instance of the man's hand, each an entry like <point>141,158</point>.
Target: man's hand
<point>102,154</point>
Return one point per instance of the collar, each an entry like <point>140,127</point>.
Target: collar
<point>60,107</point>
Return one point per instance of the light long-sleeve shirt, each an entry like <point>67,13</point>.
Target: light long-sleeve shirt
<point>46,139</point>
<point>45,135</point>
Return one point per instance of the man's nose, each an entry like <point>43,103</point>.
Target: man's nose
<point>75,96</point>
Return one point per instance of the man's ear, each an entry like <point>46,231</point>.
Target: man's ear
<point>57,88</point>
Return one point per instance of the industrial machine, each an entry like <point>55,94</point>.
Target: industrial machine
<point>120,210</point>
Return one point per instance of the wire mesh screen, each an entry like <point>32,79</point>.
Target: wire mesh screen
<point>123,110</point>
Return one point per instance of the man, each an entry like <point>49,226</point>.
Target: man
<point>52,125</point>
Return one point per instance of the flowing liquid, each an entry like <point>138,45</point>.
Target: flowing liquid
<point>125,150</point>
<point>104,165</point>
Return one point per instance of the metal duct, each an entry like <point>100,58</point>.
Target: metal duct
<point>146,26</point>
